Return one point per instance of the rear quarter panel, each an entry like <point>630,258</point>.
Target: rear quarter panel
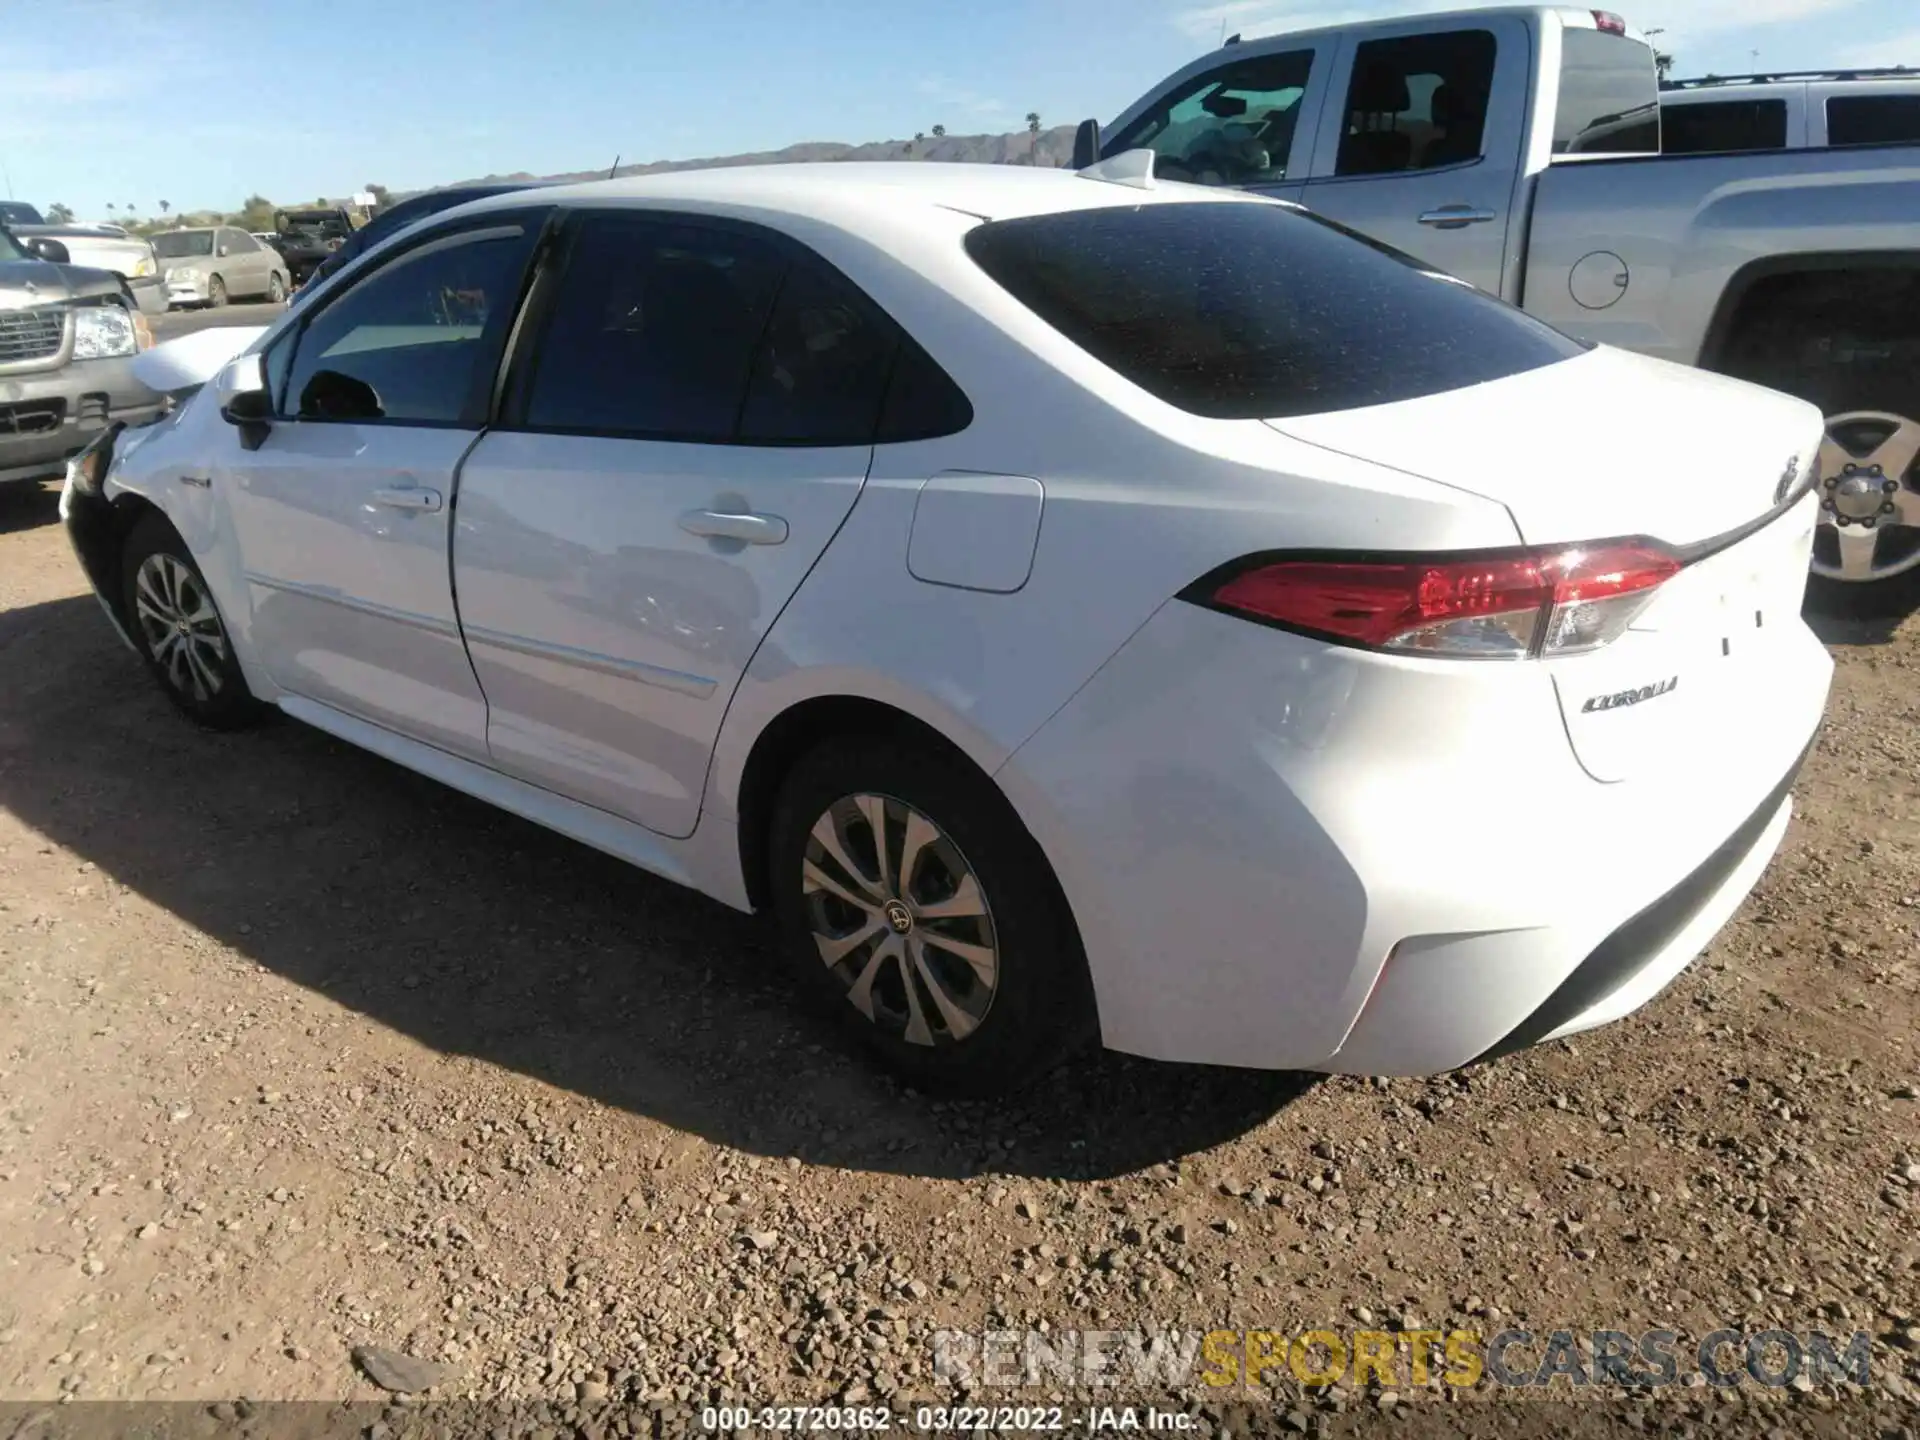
<point>1683,227</point>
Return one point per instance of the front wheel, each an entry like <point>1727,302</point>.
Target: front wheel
<point>277,289</point>
<point>917,909</point>
<point>216,293</point>
<point>179,630</point>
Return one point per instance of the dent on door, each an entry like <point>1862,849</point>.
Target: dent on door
<point>976,531</point>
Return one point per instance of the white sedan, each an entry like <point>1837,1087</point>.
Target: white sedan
<point>1073,606</point>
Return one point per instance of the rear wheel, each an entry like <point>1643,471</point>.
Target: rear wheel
<point>216,292</point>
<point>922,916</point>
<point>277,289</point>
<point>179,630</point>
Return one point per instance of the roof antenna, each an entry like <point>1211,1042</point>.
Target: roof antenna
<point>614,173</point>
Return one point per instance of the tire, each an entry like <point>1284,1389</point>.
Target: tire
<point>161,589</point>
<point>987,1038</point>
<point>216,293</point>
<point>277,289</point>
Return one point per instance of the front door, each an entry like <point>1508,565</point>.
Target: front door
<point>1416,148</point>
<point>342,514</point>
<point>696,423</point>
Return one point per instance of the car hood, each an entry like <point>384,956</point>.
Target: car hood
<point>175,367</point>
<point>39,282</point>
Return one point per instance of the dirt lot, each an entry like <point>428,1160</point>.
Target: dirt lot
<point>300,1052</point>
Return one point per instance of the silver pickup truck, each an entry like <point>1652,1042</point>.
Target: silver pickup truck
<point>1519,149</point>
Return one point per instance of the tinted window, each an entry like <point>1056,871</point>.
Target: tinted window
<point>654,330</point>
<point>1233,126</point>
<point>1243,311</point>
<point>922,400</point>
<point>183,244</point>
<point>821,370</point>
<point>238,242</point>
<point>1697,129</point>
<point>411,341</point>
<point>1873,119</point>
<point>1609,96</point>
<point>1417,102</point>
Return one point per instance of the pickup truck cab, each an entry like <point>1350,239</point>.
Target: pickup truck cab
<point>1518,148</point>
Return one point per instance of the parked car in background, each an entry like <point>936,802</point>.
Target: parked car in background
<point>1719,114</point>
<point>128,256</point>
<point>68,335</point>
<point>1518,149</point>
<point>215,264</point>
<point>1215,716</point>
<point>307,237</point>
<point>402,213</point>
<point>18,212</point>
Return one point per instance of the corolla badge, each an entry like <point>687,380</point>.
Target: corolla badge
<point>1621,698</point>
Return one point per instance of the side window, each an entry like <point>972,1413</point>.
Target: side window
<point>1718,125</point>
<point>1233,126</point>
<point>1416,102</point>
<point>1873,119</point>
<point>922,403</point>
<point>653,330</point>
<point>410,342</point>
<point>238,242</point>
<point>820,374</point>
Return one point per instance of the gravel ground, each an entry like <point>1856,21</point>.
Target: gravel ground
<point>299,1053</point>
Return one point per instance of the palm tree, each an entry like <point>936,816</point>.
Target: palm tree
<point>1033,130</point>
<point>165,206</point>
<point>109,207</point>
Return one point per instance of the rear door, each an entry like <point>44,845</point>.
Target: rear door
<point>688,422</point>
<point>1419,145</point>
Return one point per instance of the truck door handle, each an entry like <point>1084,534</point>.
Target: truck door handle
<point>730,525</point>
<point>1455,217</point>
<point>410,497</point>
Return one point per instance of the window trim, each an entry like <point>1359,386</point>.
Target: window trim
<point>534,328</point>
<point>476,410</point>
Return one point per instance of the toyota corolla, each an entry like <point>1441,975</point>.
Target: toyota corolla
<point>1074,606</point>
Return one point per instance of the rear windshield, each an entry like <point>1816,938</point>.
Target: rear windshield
<point>1703,126</point>
<point>180,244</point>
<point>1242,311</point>
<point>1609,95</point>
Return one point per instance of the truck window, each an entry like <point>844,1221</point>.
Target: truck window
<point>1873,119</point>
<point>1719,125</point>
<point>1232,126</point>
<point>1245,310</point>
<point>1609,95</point>
<point>1417,101</point>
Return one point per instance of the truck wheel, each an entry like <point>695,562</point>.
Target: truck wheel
<point>1848,342</point>
<point>216,293</point>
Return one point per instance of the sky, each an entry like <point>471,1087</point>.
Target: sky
<point>204,102</point>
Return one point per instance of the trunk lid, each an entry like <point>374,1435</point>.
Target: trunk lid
<point>1606,444</point>
<point>1612,445</point>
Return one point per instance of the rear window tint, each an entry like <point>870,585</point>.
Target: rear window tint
<point>1873,119</point>
<point>1609,96</point>
<point>1242,311</point>
<point>1704,126</point>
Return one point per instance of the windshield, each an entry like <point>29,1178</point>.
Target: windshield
<point>10,248</point>
<point>1243,311</point>
<point>183,244</point>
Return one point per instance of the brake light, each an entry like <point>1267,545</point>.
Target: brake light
<point>1498,605</point>
<point>1609,22</point>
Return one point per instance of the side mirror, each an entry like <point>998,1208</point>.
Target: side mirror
<point>49,249</point>
<point>224,250</point>
<point>241,389</point>
<point>1086,144</point>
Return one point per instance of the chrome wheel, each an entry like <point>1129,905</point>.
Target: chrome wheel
<point>1870,485</point>
<point>900,920</point>
<point>180,626</point>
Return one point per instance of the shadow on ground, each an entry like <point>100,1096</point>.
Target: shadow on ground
<point>482,935</point>
<point>27,505</point>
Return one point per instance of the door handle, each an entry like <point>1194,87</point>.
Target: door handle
<point>730,525</point>
<point>1455,217</point>
<point>410,497</point>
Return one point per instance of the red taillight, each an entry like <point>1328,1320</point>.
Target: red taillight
<point>1606,20</point>
<point>1504,605</point>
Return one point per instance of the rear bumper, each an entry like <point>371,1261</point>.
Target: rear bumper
<point>1283,854</point>
<point>45,419</point>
